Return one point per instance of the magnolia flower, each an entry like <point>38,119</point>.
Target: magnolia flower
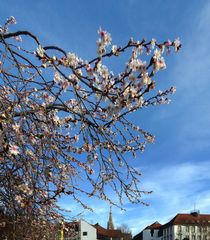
<point>89,69</point>
<point>157,54</point>
<point>168,43</point>
<point>72,60</point>
<point>173,90</point>
<point>25,189</point>
<point>114,49</point>
<point>40,51</point>
<point>65,84</point>
<point>152,43</point>
<point>105,37</point>
<point>162,49</point>
<point>48,98</point>
<point>150,138</point>
<point>140,49</point>
<point>103,41</point>
<point>32,139</point>
<point>160,64</point>
<point>16,127</point>
<point>18,38</point>
<point>76,138</point>
<point>18,198</point>
<point>12,20</point>
<point>104,72</point>
<point>56,119</point>
<point>133,91</point>
<point>57,77</point>
<point>145,78</point>
<point>140,101</point>
<point>136,64</point>
<point>13,149</point>
<point>101,47</point>
<point>177,44</point>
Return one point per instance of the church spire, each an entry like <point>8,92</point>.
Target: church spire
<point>110,224</point>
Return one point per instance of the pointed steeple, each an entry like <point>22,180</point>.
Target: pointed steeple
<point>110,224</point>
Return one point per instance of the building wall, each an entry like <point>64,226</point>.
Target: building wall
<point>193,232</point>
<point>147,234</point>
<point>180,232</point>
<point>168,233</point>
<point>87,231</point>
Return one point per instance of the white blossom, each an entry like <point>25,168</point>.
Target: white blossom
<point>13,149</point>
<point>40,51</point>
<point>72,60</point>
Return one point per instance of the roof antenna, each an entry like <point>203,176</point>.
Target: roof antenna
<point>195,212</point>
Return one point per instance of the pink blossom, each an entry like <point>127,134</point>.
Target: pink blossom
<point>13,149</point>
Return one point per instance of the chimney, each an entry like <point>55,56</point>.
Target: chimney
<point>195,213</point>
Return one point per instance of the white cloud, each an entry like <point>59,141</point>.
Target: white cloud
<point>177,189</point>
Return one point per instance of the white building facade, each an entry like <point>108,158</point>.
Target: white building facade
<point>150,234</point>
<point>196,231</point>
<point>80,230</point>
<point>193,226</point>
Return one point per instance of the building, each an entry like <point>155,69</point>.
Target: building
<point>79,230</point>
<point>193,226</point>
<point>110,233</point>
<point>110,224</point>
<point>149,233</point>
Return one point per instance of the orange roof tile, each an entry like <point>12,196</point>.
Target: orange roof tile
<point>154,225</point>
<point>196,218</point>
<point>109,232</point>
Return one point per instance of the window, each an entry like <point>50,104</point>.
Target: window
<point>164,232</point>
<point>193,228</point>
<point>179,228</point>
<point>205,228</point>
<point>187,229</point>
<point>84,233</point>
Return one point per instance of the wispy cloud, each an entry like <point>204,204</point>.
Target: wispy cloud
<point>177,189</point>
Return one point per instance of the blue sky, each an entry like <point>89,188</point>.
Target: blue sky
<point>177,166</point>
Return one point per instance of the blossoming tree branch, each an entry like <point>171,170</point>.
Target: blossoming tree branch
<point>64,125</point>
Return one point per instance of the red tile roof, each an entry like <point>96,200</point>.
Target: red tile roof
<point>111,233</point>
<point>155,225</point>
<point>179,219</point>
<point>107,232</point>
<point>193,218</point>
